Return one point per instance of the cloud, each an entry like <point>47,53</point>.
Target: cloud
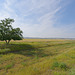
<point>37,18</point>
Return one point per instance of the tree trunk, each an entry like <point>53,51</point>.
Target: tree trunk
<point>7,41</point>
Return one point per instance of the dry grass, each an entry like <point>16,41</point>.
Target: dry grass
<point>36,57</point>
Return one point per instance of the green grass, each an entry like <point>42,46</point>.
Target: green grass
<point>72,71</point>
<point>38,57</point>
<point>59,65</point>
<point>9,66</point>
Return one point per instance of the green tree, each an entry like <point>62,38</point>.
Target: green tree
<point>7,32</point>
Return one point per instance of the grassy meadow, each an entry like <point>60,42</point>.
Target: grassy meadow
<point>38,57</point>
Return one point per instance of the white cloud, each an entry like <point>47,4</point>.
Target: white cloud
<point>37,18</point>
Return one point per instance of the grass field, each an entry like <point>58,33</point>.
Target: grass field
<point>38,57</point>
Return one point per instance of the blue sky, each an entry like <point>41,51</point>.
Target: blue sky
<point>41,18</point>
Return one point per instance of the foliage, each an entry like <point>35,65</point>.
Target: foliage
<point>55,64</point>
<point>63,66</point>
<point>7,32</point>
<point>60,65</point>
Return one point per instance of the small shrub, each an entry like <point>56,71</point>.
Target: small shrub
<point>8,66</point>
<point>24,63</point>
<point>4,51</point>
<point>59,65</point>
<point>1,68</point>
<point>1,55</point>
<point>73,57</point>
<point>36,56</point>
<point>44,55</point>
<point>55,64</point>
<point>63,66</point>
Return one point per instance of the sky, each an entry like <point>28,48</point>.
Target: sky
<point>41,18</point>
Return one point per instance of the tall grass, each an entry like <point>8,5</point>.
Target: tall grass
<point>37,57</point>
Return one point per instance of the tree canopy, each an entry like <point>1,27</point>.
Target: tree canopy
<point>7,32</point>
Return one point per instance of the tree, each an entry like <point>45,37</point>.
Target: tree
<point>7,32</point>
